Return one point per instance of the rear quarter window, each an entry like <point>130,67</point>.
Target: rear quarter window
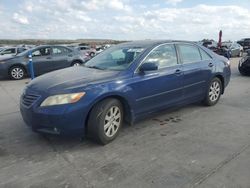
<point>205,55</point>
<point>189,53</point>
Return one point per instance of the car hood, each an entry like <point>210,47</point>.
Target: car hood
<point>70,79</point>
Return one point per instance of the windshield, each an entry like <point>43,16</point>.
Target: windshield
<point>23,53</point>
<point>116,58</point>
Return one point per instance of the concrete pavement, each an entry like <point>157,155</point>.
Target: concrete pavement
<point>194,146</point>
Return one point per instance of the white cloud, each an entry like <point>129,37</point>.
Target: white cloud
<point>20,19</point>
<point>194,23</point>
<point>112,4</point>
<point>120,19</point>
<point>173,2</point>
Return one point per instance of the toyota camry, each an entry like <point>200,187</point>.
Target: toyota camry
<point>122,84</point>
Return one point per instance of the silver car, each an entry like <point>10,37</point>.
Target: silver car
<point>235,49</point>
<point>12,51</point>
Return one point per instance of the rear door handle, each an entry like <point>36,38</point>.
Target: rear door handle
<point>48,58</point>
<point>210,64</point>
<point>178,72</point>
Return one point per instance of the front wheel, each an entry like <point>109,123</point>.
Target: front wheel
<point>16,73</point>
<point>105,121</point>
<point>214,92</point>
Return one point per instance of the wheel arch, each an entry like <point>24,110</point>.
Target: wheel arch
<point>76,60</point>
<point>128,115</point>
<point>222,82</point>
<point>18,65</point>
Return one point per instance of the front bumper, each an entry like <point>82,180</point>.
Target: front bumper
<point>59,120</point>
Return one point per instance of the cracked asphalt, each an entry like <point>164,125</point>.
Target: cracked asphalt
<point>193,146</point>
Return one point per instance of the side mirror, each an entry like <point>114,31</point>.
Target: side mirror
<point>148,67</point>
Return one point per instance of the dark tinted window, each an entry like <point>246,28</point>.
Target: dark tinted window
<point>41,52</point>
<point>9,51</point>
<point>20,50</point>
<point>163,56</point>
<point>66,50</point>
<point>189,53</point>
<point>84,48</point>
<point>204,55</point>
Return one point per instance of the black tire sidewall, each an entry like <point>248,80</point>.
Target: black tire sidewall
<point>96,120</point>
<point>208,102</point>
<point>241,70</point>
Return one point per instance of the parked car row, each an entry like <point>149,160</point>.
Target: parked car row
<point>12,51</point>
<point>45,59</point>
<point>234,49</point>
<point>244,64</point>
<point>228,49</point>
<point>245,43</point>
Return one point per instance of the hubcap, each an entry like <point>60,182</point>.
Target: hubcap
<point>17,73</point>
<point>112,121</point>
<point>214,91</point>
<point>76,64</point>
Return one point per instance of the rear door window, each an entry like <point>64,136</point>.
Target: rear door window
<point>189,53</point>
<point>57,51</point>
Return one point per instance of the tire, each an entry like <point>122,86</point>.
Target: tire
<point>76,63</point>
<point>109,113</point>
<point>92,54</point>
<point>242,71</point>
<point>16,72</point>
<point>213,92</point>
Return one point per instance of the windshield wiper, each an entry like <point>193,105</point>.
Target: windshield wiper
<point>95,67</point>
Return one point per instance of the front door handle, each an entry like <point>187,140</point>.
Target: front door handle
<point>178,72</point>
<point>48,58</point>
<point>210,64</point>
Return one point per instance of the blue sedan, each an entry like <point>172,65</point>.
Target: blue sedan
<point>123,83</point>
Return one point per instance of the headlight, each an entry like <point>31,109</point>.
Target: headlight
<point>62,99</point>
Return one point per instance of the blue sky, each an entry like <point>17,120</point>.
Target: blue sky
<point>124,19</point>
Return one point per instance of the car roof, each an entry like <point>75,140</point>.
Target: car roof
<point>149,43</point>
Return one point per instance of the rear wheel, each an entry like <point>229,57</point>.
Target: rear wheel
<point>214,92</point>
<point>92,54</point>
<point>75,64</point>
<point>105,121</point>
<point>16,72</point>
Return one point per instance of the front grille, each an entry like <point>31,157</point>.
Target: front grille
<point>29,99</point>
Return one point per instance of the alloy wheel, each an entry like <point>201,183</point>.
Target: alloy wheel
<point>112,121</point>
<point>17,73</point>
<point>214,91</point>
